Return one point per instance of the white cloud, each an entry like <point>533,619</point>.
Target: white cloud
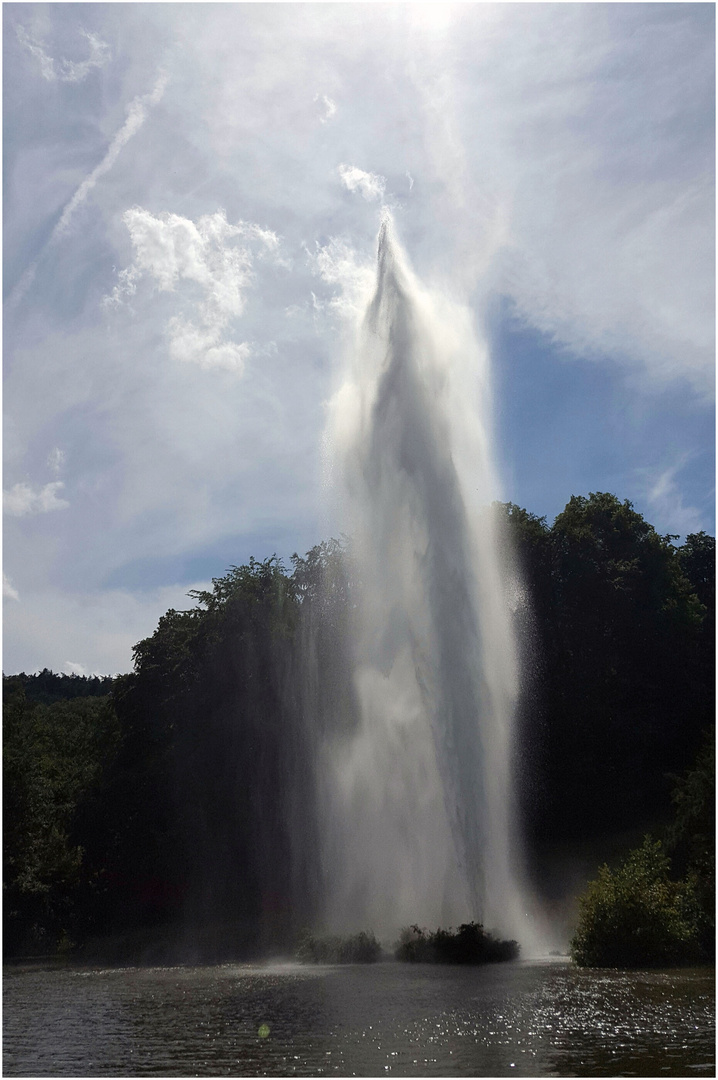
<point>22,499</point>
<point>47,64</point>
<point>9,593</point>
<point>69,71</point>
<point>212,254</point>
<point>72,668</point>
<point>99,55</point>
<point>370,186</point>
<point>170,248</point>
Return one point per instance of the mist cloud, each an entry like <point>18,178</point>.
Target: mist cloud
<point>338,264</point>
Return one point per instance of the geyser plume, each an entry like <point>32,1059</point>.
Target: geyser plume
<point>415,798</point>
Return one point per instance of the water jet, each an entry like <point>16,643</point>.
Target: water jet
<point>415,797</point>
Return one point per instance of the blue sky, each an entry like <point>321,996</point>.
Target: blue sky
<point>192,198</point>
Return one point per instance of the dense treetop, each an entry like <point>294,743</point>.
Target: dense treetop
<point>47,686</point>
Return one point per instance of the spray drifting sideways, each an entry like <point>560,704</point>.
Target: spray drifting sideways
<point>416,797</point>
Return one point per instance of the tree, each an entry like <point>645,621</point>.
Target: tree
<point>635,916</point>
<point>621,666</point>
<point>526,549</point>
<point>53,761</point>
<point>47,687</point>
<point>697,557</point>
<point>691,839</point>
<point>217,756</point>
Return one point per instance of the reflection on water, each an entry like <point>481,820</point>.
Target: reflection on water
<point>523,1019</point>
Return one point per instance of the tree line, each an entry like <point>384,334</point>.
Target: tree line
<point>183,795</point>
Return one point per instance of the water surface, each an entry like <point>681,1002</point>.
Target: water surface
<point>518,1019</point>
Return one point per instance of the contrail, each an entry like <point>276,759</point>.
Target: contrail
<point>136,116</point>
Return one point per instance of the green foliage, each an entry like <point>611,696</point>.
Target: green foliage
<point>361,948</point>
<point>691,839</point>
<point>635,916</point>
<point>697,558</point>
<point>618,666</point>
<point>218,753</point>
<point>470,944</point>
<point>53,761</point>
<point>47,687</point>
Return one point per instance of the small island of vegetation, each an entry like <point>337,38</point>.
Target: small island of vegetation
<point>470,944</point>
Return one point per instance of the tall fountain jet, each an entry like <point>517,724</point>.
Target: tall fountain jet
<point>417,805</point>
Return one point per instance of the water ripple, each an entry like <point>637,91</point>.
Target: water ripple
<point>386,1020</point>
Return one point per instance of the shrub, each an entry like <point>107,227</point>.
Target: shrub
<point>361,948</point>
<point>635,916</point>
<point>470,944</point>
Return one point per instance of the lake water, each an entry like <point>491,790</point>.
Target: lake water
<point>389,1019</point>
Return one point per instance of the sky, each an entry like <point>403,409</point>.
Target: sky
<point>192,196</point>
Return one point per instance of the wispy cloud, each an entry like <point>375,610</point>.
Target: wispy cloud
<point>22,499</point>
<point>70,71</point>
<point>370,186</point>
<point>8,591</point>
<point>328,105</point>
<point>212,254</point>
<point>203,345</point>
<point>665,499</point>
<point>56,460</point>
<point>36,49</point>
